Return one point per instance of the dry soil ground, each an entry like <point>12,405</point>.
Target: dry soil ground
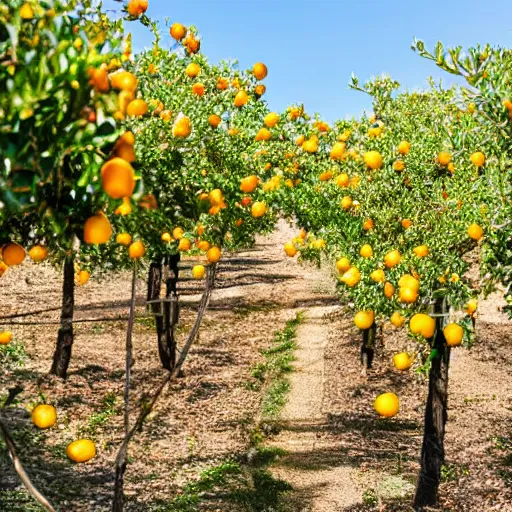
<point>336,454</point>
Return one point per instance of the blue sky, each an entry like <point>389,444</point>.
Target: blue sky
<point>312,46</point>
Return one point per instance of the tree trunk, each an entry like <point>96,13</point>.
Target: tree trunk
<point>167,343</point>
<point>367,348</point>
<point>432,450</point>
<point>154,288</point>
<point>62,354</point>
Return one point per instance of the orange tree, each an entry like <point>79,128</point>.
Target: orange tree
<point>197,150</point>
<point>60,109</point>
<point>399,201</point>
<point>488,72</point>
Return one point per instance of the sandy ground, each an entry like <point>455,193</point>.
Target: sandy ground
<point>341,457</point>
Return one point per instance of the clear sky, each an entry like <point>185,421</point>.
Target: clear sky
<point>312,46</point>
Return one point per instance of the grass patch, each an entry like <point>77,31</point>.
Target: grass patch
<point>272,371</point>
<point>251,489</point>
<point>12,356</point>
<point>146,321</point>
<point>18,501</point>
<point>100,418</point>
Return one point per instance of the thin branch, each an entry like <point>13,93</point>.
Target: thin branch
<point>147,408</point>
<point>16,460</point>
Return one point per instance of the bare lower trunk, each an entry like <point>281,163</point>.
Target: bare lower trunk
<point>62,354</point>
<point>367,348</point>
<point>432,450</point>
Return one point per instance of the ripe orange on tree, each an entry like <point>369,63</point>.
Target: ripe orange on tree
<point>402,361</point>
<point>453,334</point>
<point>373,160</point>
<point>259,70</point>
<point>422,324</point>
<point>404,147</point>
<point>241,98</point>
<point>249,184</point>
<point>137,7</point>
<point>392,258</point>
<point>364,319</point>
<point>343,264</point>
<point>213,254</point>
<point>177,233</point>
<point>97,229</point>
<point>82,277</point>
<point>182,127</point>
<point>184,244</point>
<point>290,249</point>
<point>136,250</point>
<point>13,254</point>
<point>444,158</point>
<point>192,70</point>
<point>117,178</point>
<point>136,107</point>
<point>124,239</point>
<point>124,81</point>
<point>178,31</point>
<point>198,271</point>
<point>38,253</point>
<point>258,209</point>
<point>214,120</point>
<point>397,319</point>
<point>475,232</point>
<point>366,251</point>
<point>477,158</point>
<point>389,290</point>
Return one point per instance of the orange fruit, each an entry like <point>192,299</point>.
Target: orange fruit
<point>126,152</point>
<point>342,180</point>
<point>5,337</point>
<point>177,233</point>
<point>99,79</point>
<point>399,165</point>
<point>409,281</point>
<point>222,84</point>
<point>26,11</point>
<point>136,107</point>
<point>192,45</point>
<point>82,277</point>
<point>310,146</point>
<point>166,237</point>
<point>124,239</point>
<point>259,70</point>
<point>97,229</point>
<point>397,319</point>
<point>387,405</point>
<point>366,251</point>
<point>13,254</point>
<point>378,276</point>
<point>38,253</point>
<point>373,160</point>
<point>402,361</point>
<point>422,324</point>
<point>408,295</point>
<point>263,134</point>
<point>343,264</point>
<point>3,268</point>
<point>406,223</point>
<point>213,254</point>
<point>178,31</point>
<point>203,245</point>
<point>346,202</point>
<point>392,258</point>
<point>260,90</point>
<point>471,306</point>
<point>351,277</point>
<point>81,450</point>
<point>137,7</point>
<point>198,271</point>
<point>241,99</point>
<point>165,115</point>
<point>389,290</point>
<point>184,244</point>
<point>258,209</point>
<point>117,178</point>
<point>124,81</point>
<point>368,224</point>
<point>404,147</point>
<point>475,232</point>
<point>478,158</point>
<point>453,334</point>
<point>182,127</point>
<point>127,138</point>
<point>123,100</point>
<point>271,119</point>
<point>421,251</point>
<point>198,89</point>
<point>337,151</point>
<point>364,319</point>
<point>300,140</point>
<point>192,70</point>
<point>325,176</point>
<point>444,158</point>
<point>125,208</point>
<point>214,120</point>
<point>289,249</point>
<point>215,197</point>
<point>44,416</point>
<point>249,184</point>
<point>136,250</point>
